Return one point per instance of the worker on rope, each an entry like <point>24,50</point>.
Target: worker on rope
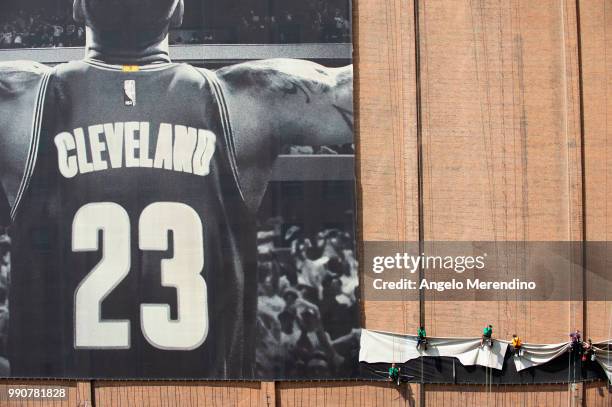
<point>588,352</point>
<point>394,374</point>
<point>421,338</point>
<point>575,341</point>
<point>487,336</point>
<point>517,345</point>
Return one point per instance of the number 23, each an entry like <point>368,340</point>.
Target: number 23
<point>182,272</point>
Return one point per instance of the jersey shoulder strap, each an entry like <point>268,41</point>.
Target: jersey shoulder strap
<point>34,138</point>
<point>228,133</point>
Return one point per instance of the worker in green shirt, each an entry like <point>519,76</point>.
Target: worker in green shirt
<point>487,334</point>
<point>421,338</point>
<point>394,374</point>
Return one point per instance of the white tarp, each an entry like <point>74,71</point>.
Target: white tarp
<point>384,347</point>
<point>604,357</point>
<point>535,354</point>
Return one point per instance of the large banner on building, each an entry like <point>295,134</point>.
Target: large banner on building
<point>175,209</point>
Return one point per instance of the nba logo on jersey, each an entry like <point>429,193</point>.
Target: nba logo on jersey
<point>129,92</point>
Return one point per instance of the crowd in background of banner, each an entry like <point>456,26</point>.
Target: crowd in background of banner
<point>259,21</point>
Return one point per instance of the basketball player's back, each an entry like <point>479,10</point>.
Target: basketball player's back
<point>132,242</point>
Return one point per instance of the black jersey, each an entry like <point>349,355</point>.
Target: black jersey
<point>133,250</point>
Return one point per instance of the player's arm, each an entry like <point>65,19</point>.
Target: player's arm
<point>280,102</point>
<point>19,83</point>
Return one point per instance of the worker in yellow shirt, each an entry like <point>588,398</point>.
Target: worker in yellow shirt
<point>517,345</point>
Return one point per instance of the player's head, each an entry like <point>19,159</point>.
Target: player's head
<point>130,21</point>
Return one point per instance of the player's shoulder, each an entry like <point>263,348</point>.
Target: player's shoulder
<point>277,73</point>
<point>17,77</point>
<point>23,66</point>
<point>268,67</point>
